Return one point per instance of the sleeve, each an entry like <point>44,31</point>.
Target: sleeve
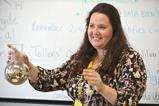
<point>55,79</point>
<point>132,80</point>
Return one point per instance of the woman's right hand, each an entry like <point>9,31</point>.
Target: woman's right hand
<point>14,53</point>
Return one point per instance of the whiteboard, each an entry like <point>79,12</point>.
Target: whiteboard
<point>49,31</point>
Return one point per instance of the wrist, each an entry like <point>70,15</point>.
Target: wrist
<point>101,88</point>
<point>29,65</point>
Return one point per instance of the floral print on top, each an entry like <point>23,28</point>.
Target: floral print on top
<point>129,80</point>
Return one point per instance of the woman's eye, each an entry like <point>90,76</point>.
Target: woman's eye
<point>91,26</point>
<point>102,27</point>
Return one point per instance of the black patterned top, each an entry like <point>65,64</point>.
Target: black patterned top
<point>129,80</point>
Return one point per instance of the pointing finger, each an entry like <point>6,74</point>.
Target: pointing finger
<point>12,47</point>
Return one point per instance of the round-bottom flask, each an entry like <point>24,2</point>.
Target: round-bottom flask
<point>16,72</point>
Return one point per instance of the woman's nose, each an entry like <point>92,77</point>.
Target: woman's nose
<point>96,31</point>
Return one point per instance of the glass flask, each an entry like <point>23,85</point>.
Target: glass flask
<point>16,72</point>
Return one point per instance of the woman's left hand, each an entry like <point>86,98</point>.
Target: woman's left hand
<point>93,78</point>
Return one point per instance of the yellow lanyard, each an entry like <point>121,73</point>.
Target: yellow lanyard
<point>90,65</point>
<point>78,102</point>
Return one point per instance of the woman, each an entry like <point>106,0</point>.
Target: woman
<point>104,71</point>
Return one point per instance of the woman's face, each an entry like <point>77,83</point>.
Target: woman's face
<point>99,30</point>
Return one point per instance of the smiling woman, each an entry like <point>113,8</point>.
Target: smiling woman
<point>105,70</point>
<point>99,30</point>
<point>99,65</point>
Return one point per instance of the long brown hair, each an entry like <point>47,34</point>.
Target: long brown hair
<point>115,45</point>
